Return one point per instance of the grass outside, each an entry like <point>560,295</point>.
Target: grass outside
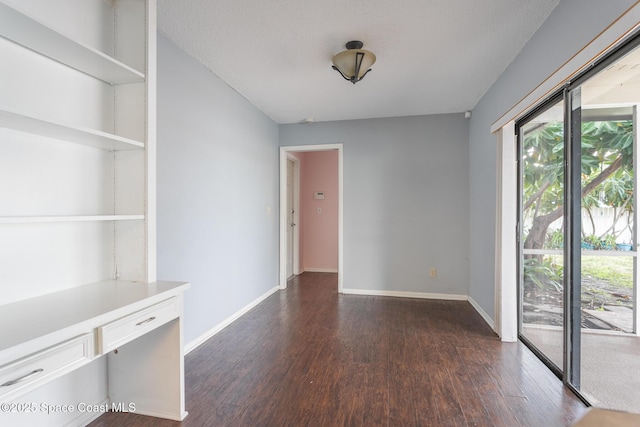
<point>606,281</point>
<point>617,271</point>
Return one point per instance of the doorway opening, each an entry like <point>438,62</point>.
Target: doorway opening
<point>292,211</point>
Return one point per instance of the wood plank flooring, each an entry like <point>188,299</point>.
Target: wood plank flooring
<point>308,356</point>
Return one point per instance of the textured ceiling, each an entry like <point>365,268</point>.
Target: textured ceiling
<point>618,84</point>
<point>434,56</point>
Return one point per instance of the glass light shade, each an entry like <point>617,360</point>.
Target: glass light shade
<point>345,61</point>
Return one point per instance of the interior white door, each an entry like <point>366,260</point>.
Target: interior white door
<point>290,216</point>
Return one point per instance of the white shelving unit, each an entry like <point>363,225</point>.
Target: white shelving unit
<point>104,103</point>
<point>77,222</point>
<point>66,132</point>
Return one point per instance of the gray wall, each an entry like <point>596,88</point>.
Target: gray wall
<point>419,191</point>
<point>572,25</point>
<point>217,174</point>
<point>406,195</point>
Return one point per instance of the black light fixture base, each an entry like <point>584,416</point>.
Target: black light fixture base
<point>354,44</point>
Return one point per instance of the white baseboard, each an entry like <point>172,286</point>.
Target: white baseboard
<point>398,294</point>
<point>402,294</point>
<point>482,313</point>
<point>424,295</point>
<point>319,270</point>
<point>226,322</point>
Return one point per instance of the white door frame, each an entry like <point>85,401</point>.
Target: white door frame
<point>284,152</point>
<point>506,272</point>
<point>296,213</point>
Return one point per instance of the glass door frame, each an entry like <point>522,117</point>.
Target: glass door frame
<point>551,101</point>
<point>573,237</point>
<point>569,373</point>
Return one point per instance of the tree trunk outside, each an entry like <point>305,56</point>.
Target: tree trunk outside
<point>540,225</point>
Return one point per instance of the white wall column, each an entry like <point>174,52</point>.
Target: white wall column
<point>506,295</point>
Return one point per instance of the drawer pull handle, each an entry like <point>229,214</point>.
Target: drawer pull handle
<point>150,319</point>
<point>22,378</point>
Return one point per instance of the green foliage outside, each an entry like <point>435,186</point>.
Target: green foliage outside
<point>607,180</point>
<point>615,272</point>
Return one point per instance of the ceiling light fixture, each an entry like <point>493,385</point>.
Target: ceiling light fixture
<point>354,63</point>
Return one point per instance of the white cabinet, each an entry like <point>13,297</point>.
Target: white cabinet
<point>133,329</point>
<point>77,217</point>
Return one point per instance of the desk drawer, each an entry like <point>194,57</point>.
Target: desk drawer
<point>121,331</point>
<point>29,373</point>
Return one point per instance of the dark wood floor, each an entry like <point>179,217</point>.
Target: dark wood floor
<point>308,356</point>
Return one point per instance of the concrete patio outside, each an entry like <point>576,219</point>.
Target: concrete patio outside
<point>610,364</point>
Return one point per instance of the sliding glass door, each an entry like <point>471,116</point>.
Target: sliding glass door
<point>541,232</point>
<point>578,294</point>
<point>605,347</point>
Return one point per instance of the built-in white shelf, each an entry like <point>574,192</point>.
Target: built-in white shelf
<point>32,34</point>
<point>64,131</point>
<point>67,218</point>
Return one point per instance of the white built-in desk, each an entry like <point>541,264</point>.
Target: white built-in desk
<point>137,325</point>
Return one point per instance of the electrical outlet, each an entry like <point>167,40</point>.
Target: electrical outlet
<point>433,272</point>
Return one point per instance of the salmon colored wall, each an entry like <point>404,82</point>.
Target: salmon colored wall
<point>319,231</point>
